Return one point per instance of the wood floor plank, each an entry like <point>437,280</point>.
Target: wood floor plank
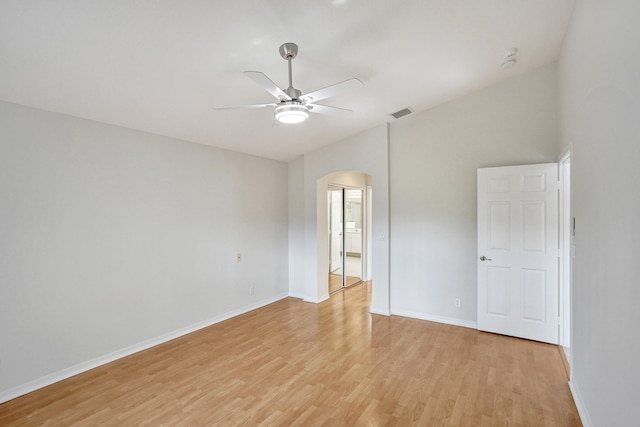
<point>330,364</point>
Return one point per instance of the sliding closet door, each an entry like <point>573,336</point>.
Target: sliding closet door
<point>353,236</point>
<point>336,240</point>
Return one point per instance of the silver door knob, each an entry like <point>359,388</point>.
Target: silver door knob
<point>484,258</point>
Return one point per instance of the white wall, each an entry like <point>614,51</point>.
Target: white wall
<point>433,160</point>
<point>110,238</point>
<point>366,153</point>
<point>296,228</point>
<point>599,81</point>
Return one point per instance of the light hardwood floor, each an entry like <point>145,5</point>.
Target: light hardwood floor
<point>333,364</point>
<point>335,282</point>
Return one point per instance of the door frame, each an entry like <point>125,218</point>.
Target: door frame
<point>565,272</point>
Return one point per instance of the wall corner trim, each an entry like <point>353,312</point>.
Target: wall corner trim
<point>316,300</point>
<point>297,295</point>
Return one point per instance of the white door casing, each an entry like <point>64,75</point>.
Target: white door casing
<point>518,251</point>
<point>564,274</point>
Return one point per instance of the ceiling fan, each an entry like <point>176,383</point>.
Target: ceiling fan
<point>292,105</point>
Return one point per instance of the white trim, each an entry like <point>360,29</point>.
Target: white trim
<point>46,380</point>
<point>568,355</point>
<point>379,311</point>
<point>438,319</point>
<point>297,295</point>
<point>565,154</point>
<point>564,246</point>
<point>577,399</point>
<point>316,300</point>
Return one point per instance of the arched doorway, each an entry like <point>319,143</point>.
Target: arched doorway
<point>366,152</point>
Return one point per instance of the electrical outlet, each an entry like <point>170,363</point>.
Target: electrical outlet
<point>252,290</point>
<point>456,302</point>
<point>238,257</point>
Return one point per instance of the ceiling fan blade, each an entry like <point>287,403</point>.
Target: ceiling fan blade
<point>233,107</point>
<point>265,82</point>
<point>331,111</point>
<point>333,90</point>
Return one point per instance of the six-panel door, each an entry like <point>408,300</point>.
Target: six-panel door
<point>518,240</point>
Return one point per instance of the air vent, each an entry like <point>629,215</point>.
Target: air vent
<point>402,113</point>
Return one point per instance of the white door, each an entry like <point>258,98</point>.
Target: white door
<point>518,251</point>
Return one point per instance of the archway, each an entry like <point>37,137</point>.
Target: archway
<point>365,153</point>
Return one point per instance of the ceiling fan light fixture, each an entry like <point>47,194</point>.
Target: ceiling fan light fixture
<point>291,113</point>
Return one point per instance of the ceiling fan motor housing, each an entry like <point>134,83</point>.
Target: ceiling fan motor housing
<point>293,92</point>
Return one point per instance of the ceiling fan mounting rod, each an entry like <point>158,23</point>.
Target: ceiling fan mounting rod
<point>290,74</point>
<point>289,51</point>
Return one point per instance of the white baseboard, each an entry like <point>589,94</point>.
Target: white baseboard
<point>297,295</point>
<point>577,399</point>
<point>434,318</point>
<point>46,380</point>
<point>316,300</point>
<point>381,312</point>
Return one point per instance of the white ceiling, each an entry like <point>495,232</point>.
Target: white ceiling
<point>160,65</point>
